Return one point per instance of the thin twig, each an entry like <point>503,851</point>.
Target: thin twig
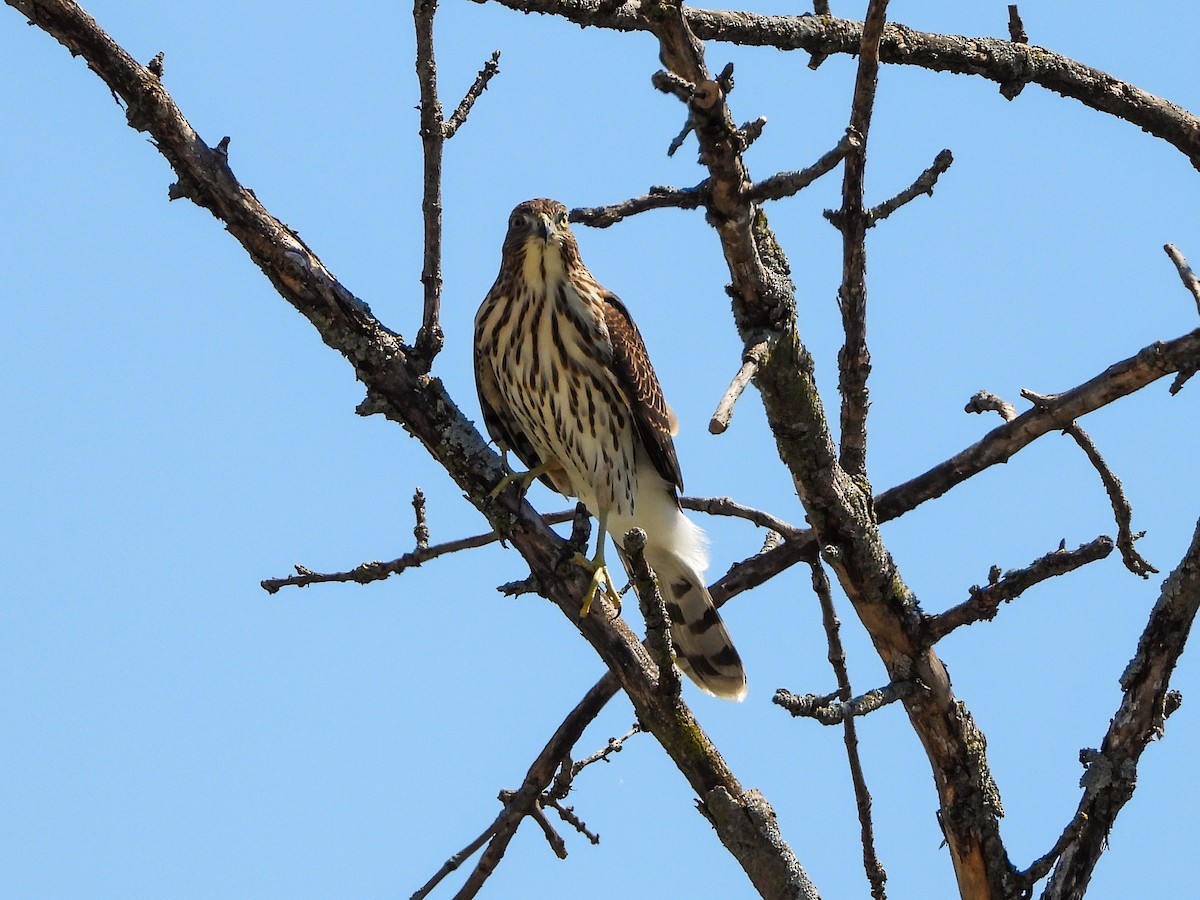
<point>1016,28</point>
<point>377,571</point>
<point>726,506</point>
<point>984,601</point>
<point>876,875</point>
<point>567,814</point>
<point>430,338</point>
<point>1040,867</point>
<point>828,711</point>
<point>677,141</point>
<point>924,185</point>
<point>489,71</point>
<point>658,197</point>
<point>456,860</point>
<point>751,359</point>
<point>541,773</point>
<point>1122,510</point>
<point>614,745</point>
<point>751,132</point>
<point>553,838</point>
<point>787,184</point>
<point>1186,275</point>
<point>986,401</point>
<point>421,529</point>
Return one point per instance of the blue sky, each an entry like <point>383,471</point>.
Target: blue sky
<point>176,433</point>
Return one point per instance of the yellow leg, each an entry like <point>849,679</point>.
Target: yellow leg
<point>524,479</point>
<point>600,571</point>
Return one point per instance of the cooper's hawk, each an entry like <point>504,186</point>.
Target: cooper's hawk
<point>565,383</point>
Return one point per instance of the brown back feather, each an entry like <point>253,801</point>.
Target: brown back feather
<point>631,364</point>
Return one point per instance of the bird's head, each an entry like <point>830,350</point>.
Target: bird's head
<point>540,228</point>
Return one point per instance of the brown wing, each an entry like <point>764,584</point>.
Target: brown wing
<point>655,421</point>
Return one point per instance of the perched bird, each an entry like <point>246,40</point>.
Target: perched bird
<point>566,384</point>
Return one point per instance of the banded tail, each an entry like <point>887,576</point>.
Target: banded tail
<point>703,650</point>
<point>677,551</point>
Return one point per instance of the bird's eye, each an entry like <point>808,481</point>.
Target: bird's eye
<point>562,219</point>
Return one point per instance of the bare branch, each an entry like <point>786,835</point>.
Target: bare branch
<point>985,401</point>
<point>489,71</point>
<point>456,860</point>
<point>557,844</point>
<point>854,359</point>
<point>658,197</point>
<point>1147,701</point>
<point>421,529</point>
<point>924,184</point>
<point>751,132</point>
<point>430,338</point>
<point>567,814</point>
<point>654,612</point>
<point>986,600</point>
<point>1016,28</point>
<point>876,875</point>
<point>1002,443</point>
<point>726,506</point>
<point>751,359</point>
<point>541,773</point>
<point>378,571</point>
<point>787,184</point>
<point>1123,512</point>
<point>614,745</point>
<point>998,446</point>
<point>1040,867</point>
<point>367,572</point>
<point>1186,275</point>
<point>828,711</point>
<point>1005,62</point>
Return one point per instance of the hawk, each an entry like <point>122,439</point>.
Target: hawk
<point>565,383</point>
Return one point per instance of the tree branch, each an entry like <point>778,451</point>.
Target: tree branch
<point>924,185</point>
<point>986,600</point>
<point>1147,701</point>
<point>1186,275</point>
<point>430,338</point>
<point>829,711</point>
<point>1122,511</point>
<point>876,875</point>
<point>788,184</point>
<point>490,69</point>
<point>1002,443</point>
<point>658,197</point>
<point>751,359</point>
<point>1008,63</point>
<point>854,359</point>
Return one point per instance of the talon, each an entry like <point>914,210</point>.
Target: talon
<point>599,571</point>
<point>524,479</point>
<point>600,574</point>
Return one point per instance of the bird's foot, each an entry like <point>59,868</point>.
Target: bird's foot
<point>600,577</point>
<point>524,479</point>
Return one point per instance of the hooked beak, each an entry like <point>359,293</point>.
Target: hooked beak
<point>545,227</point>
